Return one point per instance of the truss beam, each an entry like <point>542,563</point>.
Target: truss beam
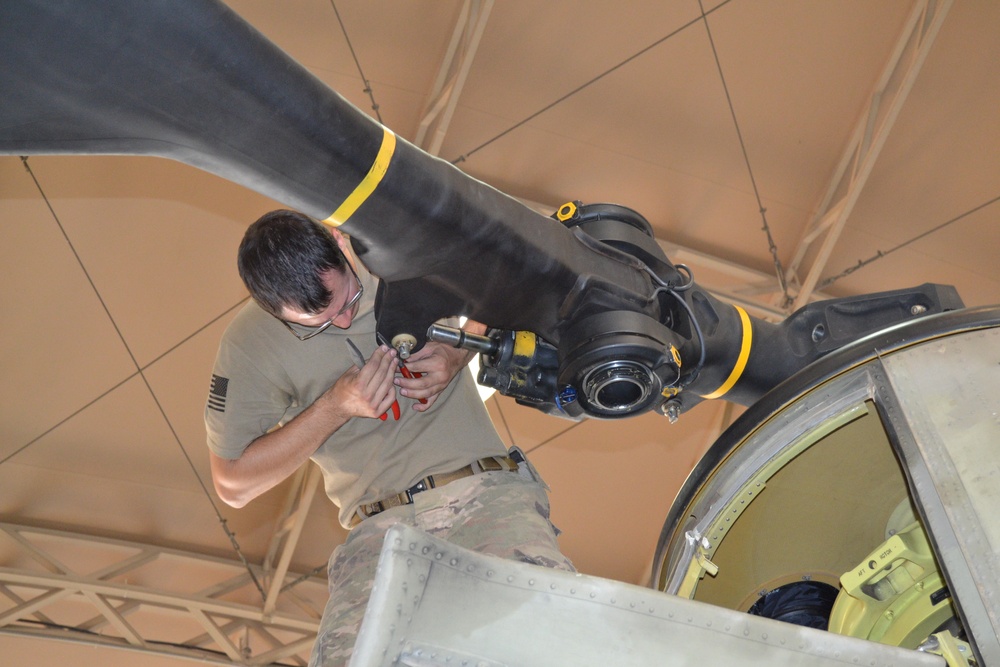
<point>869,136</point>
<point>139,594</point>
<point>452,74</point>
<point>286,537</point>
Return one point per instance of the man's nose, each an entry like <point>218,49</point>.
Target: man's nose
<point>343,321</point>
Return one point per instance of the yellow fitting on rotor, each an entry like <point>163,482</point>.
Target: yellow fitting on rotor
<point>566,211</point>
<point>524,345</point>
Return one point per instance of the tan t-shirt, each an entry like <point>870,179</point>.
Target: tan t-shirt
<point>264,377</point>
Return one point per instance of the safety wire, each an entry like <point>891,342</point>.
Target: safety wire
<point>140,372</point>
<point>746,158</point>
<point>368,85</point>
<point>675,291</point>
<point>880,254</point>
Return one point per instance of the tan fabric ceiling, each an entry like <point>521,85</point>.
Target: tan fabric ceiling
<point>720,122</point>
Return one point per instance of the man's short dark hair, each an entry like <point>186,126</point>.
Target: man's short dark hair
<point>281,259</point>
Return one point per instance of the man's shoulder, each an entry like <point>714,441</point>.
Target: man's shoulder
<point>253,331</point>
<point>254,350</point>
<point>249,321</point>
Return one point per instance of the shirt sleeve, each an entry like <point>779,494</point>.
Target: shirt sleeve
<point>243,403</point>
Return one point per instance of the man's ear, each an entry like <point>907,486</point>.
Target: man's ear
<point>342,241</point>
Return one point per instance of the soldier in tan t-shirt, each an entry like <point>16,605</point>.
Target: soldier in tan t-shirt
<point>285,362</point>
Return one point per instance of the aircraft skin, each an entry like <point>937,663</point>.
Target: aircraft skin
<point>867,471</point>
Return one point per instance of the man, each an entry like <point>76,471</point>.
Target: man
<point>286,361</point>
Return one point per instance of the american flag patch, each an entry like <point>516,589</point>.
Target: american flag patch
<point>217,393</point>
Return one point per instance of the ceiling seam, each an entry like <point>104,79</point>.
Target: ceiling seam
<point>194,333</point>
<point>526,449</point>
<point>879,254</point>
<point>553,437</point>
<point>79,260</point>
<point>122,382</point>
<point>464,156</point>
<point>65,419</point>
<point>140,373</point>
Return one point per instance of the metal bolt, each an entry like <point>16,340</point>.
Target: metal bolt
<point>671,410</point>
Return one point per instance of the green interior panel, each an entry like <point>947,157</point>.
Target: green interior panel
<point>816,516</point>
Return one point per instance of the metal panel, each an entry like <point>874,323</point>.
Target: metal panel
<point>949,433</point>
<point>437,604</point>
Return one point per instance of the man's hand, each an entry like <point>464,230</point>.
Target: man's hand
<point>274,456</point>
<point>363,392</point>
<point>437,364</point>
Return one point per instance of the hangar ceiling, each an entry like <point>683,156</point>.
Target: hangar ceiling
<point>783,149</point>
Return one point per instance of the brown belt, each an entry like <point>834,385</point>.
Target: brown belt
<point>489,464</point>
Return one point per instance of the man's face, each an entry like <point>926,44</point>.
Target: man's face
<point>346,290</point>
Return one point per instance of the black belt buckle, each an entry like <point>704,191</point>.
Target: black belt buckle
<point>415,489</point>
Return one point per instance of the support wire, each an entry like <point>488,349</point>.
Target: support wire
<point>746,157</point>
<point>368,85</point>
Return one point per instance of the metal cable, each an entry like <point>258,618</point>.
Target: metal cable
<point>140,372</point>
<point>304,577</point>
<point>368,85</point>
<point>753,181</point>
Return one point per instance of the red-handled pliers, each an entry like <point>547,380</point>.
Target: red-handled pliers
<point>410,375</point>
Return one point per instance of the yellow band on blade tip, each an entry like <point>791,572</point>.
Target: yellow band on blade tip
<point>741,361</point>
<point>368,183</point>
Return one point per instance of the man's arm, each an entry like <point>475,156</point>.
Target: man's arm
<point>274,456</point>
<point>438,364</point>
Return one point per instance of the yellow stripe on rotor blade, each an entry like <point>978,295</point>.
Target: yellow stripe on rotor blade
<point>368,183</point>
<point>741,361</point>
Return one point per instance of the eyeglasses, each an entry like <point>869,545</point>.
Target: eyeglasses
<point>315,331</point>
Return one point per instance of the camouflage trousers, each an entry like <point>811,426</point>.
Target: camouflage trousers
<point>503,514</point>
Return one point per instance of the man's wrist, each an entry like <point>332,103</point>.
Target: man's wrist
<point>473,327</point>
